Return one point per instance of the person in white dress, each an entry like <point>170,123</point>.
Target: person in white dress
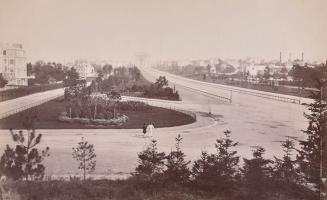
<point>150,129</point>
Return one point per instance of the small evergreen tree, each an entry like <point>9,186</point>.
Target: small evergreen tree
<point>177,170</point>
<point>218,172</point>
<point>149,172</point>
<point>286,174</point>
<point>24,161</point>
<point>151,162</point>
<point>257,174</point>
<point>85,155</point>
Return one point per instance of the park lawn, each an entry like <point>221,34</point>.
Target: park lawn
<point>47,118</point>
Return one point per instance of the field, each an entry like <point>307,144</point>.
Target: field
<point>47,118</point>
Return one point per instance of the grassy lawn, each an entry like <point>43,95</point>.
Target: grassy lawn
<point>47,115</point>
<point>23,91</point>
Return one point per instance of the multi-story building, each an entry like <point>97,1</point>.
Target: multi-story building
<point>13,64</point>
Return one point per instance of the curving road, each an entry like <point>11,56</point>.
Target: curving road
<point>253,121</point>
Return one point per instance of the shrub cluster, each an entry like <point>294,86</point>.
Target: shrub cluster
<point>219,174</point>
<point>133,105</point>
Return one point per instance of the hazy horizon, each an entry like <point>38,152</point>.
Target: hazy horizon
<point>64,30</point>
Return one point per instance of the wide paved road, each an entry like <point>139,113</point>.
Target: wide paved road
<point>252,120</point>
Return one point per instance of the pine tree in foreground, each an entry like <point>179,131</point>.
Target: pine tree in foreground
<point>149,172</point>
<point>257,174</point>
<point>177,170</point>
<point>312,156</point>
<point>218,172</point>
<point>151,162</point>
<point>85,155</point>
<point>25,160</point>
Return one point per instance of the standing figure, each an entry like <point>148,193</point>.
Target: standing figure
<point>150,129</point>
<point>144,129</point>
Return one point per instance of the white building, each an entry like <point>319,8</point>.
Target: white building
<point>13,64</point>
<point>84,69</point>
<point>254,70</point>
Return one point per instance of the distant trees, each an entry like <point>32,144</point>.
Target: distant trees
<point>85,155</point>
<point>229,69</point>
<point>161,82</point>
<point>3,81</point>
<point>106,70</point>
<point>44,72</point>
<point>266,73</point>
<point>161,90</point>
<point>24,161</point>
<point>72,77</point>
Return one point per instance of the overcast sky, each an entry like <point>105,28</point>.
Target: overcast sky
<point>59,30</point>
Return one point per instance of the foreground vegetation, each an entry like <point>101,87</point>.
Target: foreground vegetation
<point>168,176</point>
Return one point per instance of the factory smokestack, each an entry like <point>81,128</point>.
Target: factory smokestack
<point>280,57</point>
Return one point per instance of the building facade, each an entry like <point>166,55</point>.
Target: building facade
<point>13,64</point>
<point>84,69</point>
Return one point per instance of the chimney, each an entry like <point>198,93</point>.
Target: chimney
<point>280,57</point>
<point>302,56</point>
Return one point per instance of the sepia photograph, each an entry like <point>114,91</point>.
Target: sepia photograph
<point>163,100</point>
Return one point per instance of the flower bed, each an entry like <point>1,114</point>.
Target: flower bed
<point>120,120</point>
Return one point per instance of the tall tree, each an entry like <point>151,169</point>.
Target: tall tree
<point>313,153</point>
<point>84,153</point>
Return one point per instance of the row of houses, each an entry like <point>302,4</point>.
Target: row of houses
<point>218,66</point>
<point>13,65</point>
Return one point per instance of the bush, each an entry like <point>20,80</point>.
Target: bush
<point>133,105</point>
